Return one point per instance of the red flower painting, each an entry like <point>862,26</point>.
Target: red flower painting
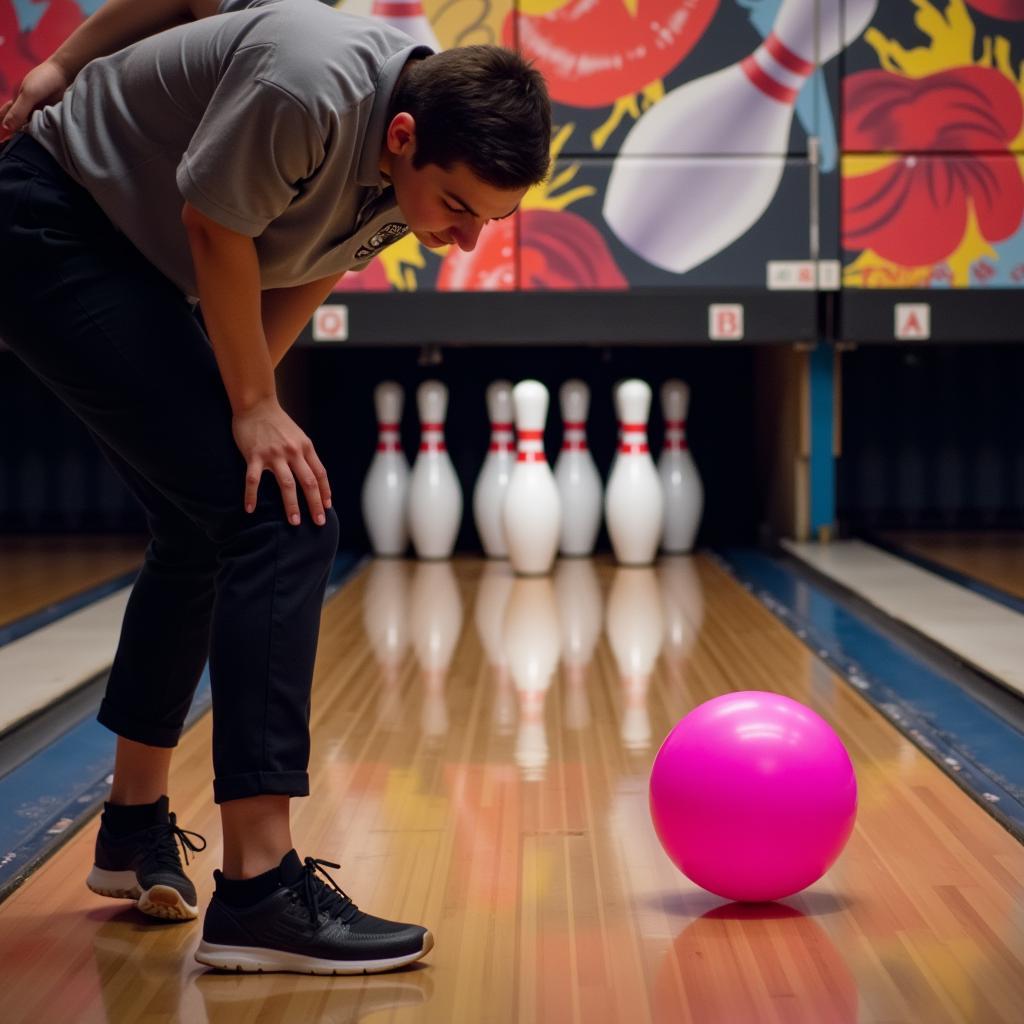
<point>1008,10</point>
<point>954,129</point>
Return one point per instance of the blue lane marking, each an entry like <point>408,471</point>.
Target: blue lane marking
<point>15,630</point>
<point>1003,597</point>
<point>977,748</point>
<point>55,791</point>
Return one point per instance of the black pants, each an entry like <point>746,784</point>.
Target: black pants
<point>120,346</point>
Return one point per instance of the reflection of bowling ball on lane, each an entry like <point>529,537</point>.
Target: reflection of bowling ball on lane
<point>819,988</point>
<point>753,796</point>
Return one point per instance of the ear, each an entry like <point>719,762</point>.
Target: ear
<point>401,137</point>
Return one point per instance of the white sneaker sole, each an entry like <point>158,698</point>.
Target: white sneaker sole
<point>158,901</point>
<point>253,959</point>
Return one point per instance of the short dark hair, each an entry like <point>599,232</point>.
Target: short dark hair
<point>483,106</point>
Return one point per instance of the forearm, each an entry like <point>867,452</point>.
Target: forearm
<point>286,311</point>
<point>120,22</point>
<point>228,279</point>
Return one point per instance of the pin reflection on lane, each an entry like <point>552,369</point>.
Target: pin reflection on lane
<point>489,613</point>
<point>386,621</point>
<point>635,626</point>
<point>532,645</point>
<point>580,611</point>
<point>683,600</point>
<point>435,619</point>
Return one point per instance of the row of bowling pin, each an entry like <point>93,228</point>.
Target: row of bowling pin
<point>522,510</point>
<point>526,627</point>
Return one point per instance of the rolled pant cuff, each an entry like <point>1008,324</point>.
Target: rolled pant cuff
<point>238,787</point>
<point>139,732</point>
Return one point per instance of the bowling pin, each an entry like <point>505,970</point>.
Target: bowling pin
<point>532,514</point>
<point>435,495</point>
<point>532,643</point>
<point>435,622</point>
<point>742,114</point>
<point>492,596</point>
<point>408,17</point>
<point>579,483</point>
<point>489,492</point>
<point>633,505</point>
<point>386,487</point>
<point>680,481</point>
<point>580,611</point>
<point>635,627</point>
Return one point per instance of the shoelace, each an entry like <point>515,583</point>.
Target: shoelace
<point>336,902</point>
<point>163,843</point>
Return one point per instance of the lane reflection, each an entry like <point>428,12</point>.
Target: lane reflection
<point>636,629</point>
<point>533,641</point>
<point>580,612</point>
<point>386,621</point>
<point>435,622</point>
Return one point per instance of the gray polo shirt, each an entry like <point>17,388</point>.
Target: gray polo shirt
<point>268,117</point>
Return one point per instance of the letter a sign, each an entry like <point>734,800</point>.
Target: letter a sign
<point>913,321</point>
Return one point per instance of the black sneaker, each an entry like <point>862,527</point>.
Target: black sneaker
<point>146,866</point>
<point>307,927</point>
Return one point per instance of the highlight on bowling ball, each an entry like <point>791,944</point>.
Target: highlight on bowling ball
<point>753,796</point>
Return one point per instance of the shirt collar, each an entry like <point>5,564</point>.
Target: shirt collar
<point>369,170</point>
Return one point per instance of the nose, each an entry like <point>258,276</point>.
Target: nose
<point>466,236</point>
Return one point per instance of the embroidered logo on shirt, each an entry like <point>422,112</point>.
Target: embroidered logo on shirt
<point>381,239</point>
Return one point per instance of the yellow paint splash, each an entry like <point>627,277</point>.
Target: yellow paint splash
<point>542,196</point>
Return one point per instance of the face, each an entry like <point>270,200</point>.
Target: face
<point>441,207</point>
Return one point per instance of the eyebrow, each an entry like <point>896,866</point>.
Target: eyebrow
<point>469,209</point>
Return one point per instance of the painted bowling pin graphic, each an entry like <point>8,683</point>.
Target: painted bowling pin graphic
<point>532,643</point>
<point>386,487</point>
<point>408,17</point>
<point>435,622</point>
<point>491,484</point>
<point>633,504</point>
<point>635,628</point>
<point>580,612</point>
<point>435,495</point>
<point>579,483</point>
<point>741,114</point>
<point>680,481</point>
<point>532,515</point>
<point>492,596</point>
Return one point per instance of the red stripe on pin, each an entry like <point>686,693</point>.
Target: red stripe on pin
<point>634,449</point>
<point>531,435</point>
<point>531,456</point>
<point>574,446</point>
<point>389,9</point>
<point>761,80</point>
<point>786,57</point>
<point>433,446</point>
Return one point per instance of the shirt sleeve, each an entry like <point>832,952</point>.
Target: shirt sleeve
<point>252,150</point>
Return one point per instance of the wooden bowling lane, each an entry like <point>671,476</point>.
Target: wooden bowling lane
<point>40,571</point>
<point>995,557</point>
<point>481,748</point>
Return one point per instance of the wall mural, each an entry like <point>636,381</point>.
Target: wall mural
<point>683,153</point>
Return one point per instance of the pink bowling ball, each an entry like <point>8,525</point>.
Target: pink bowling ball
<point>753,796</point>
